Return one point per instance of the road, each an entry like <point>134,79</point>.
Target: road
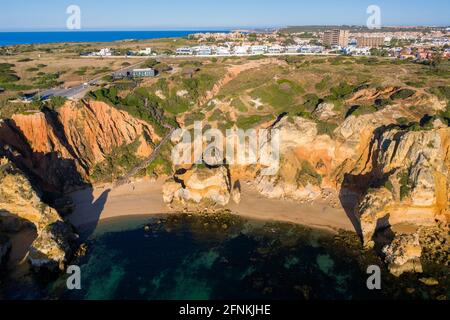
<point>73,92</point>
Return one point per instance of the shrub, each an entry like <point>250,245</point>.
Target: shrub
<point>402,94</point>
<point>307,175</point>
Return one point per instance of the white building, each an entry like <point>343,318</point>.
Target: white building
<point>293,49</point>
<point>145,52</point>
<point>223,51</point>
<point>203,51</point>
<point>256,50</point>
<point>240,50</point>
<point>105,52</point>
<point>354,51</point>
<point>276,49</point>
<point>311,49</point>
<point>184,51</point>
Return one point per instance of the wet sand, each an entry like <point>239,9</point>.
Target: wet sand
<point>145,198</point>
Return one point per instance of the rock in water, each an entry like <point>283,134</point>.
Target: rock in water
<point>403,254</point>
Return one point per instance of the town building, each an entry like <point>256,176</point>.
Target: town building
<point>241,50</point>
<point>276,49</point>
<point>145,52</point>
<point>292,49</point>
<point>336,38</point>
<point>203,51</point>
<point>143,73</point>
<point>257,50</point>
<point>223,51</point>
<point>357,51</point>
<point>184,51</point>
<point>372,42</point>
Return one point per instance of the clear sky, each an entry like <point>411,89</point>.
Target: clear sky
<point>16,15</point>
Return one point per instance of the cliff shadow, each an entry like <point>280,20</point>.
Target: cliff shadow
<point>48,171</point>
<point>88,211</point>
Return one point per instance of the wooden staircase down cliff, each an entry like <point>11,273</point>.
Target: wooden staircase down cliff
<point>145,163</point>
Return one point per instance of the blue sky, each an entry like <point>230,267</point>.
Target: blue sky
<point>17,15</point>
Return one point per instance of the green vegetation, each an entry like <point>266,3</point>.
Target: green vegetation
<point>326,128</point>
<point>48,80</point>
<point>192,117</point>
<point>281,95</point>
<point>307,175</point>
<point>246,123</point>
<point>7,75</point>
<point>120,161</point>
<point>402,94</point>
<point>361,110</point>
<point>405,188</point>
<point>162,164</point>
<point>239,105</point>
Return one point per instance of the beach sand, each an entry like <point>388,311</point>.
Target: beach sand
<point>145,198</point>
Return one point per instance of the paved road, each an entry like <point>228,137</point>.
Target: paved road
<point>70,93</point>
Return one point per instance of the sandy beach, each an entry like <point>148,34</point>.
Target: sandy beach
<point>145,198</point>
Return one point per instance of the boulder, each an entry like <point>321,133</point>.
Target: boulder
<point>403,254</point>
<point>199,186</point>
<point>325,111</point>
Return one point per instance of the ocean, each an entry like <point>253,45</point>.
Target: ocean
<point>222,257</point>
<point>16,38</point>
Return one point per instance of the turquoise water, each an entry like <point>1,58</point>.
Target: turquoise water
<point>221,257</point>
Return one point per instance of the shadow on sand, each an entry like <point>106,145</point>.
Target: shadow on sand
<point>91,211</point>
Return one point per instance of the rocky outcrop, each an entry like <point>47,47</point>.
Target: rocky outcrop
<point>54,244</point>
<point>325,111</point>
<point>403,254</point>
<point>306,162</point>
<point>200,187</point>
<point>61,148</point>
<point>415,168</point>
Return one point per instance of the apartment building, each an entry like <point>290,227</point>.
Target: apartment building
<point>336,38</point>
<point>372,42</point>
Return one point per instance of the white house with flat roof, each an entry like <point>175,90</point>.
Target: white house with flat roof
<point>203,51</point>
<point>223,51</point>
<point>105,52</point>
<point>276,49</point>
<point>184,51</point>
<point>145,52</point>
<point>256,50</point>
<point>241,50</point>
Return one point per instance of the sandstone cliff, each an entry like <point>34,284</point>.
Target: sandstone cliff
<point>61,148</point>
<point>200,188</point>
<point>55,240</point>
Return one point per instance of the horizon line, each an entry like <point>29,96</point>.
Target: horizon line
<point>218,29</point>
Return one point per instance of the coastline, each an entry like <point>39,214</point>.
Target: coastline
<point>144,198</point>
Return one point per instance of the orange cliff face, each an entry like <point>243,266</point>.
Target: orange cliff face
<point>61,148</point>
